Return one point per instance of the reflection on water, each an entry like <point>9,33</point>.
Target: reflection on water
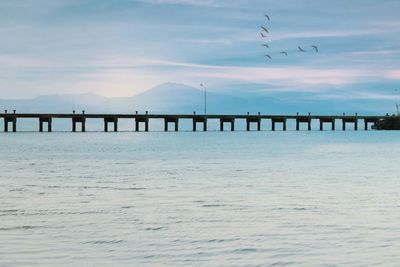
<point>201,199</point>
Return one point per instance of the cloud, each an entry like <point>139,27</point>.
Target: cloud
<point>352,95</point>
<point>326,34</point>
<point>207,3</point>
<point>123,47</point>
<point>309,79</point>
<point>127,76</point>
<point>393,74</point>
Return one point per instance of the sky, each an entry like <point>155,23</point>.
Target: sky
<point>124,47</point>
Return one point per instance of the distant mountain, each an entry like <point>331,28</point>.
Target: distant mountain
<point>165,98</point>
<point>54,103</point>
<point>177,98</point>
<point>181,98</point>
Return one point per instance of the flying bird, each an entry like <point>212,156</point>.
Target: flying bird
<point>315,47</point>
<point>301,49</point>
<point>263,35</point>
<point>266,45</point>
<point>268,56</point>
<point>284,53</point>
<point>265,29</point>
<point>268,18</point>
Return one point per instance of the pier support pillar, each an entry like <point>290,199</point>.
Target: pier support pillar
<point>253,119</point>
<point>10,119</point>
<point>229,120</point>
<point>79,119</point>
<point>47,120</point>
<point>144,120</point>
<point>221,126</point>
<point>173,120</point>
<point>274,121</point>
<point>137,126</point>
<point>350,119</point>
<point>113,120</point>
<point>369,120</point>
<point>199,119</point>
<point>307,120</point>
<point>325,120</point>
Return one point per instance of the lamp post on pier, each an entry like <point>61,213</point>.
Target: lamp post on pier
<point>397,104</point>
<point>205,99</point>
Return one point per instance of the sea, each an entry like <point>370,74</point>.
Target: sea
<point>200,198</point>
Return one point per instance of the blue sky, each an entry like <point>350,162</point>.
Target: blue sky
<point>123,47</point>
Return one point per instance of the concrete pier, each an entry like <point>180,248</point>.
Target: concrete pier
<point>43,120</point>
<point>276,120</point>
<point>139,120</point>
<point>369,120</point>
<point>253,119</point>
<point>379,122</point>
<point>199,119</point>
<point>230,120</point>
<point>303,119</point>
<point>174,120</point>
<point>349,119</point>
<point>10,118</point>
<point>327,119</point>
<point>113,120</point>
<point>79,118</point>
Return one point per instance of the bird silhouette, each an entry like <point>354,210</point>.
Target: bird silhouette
<point>265,29</point>
<point>263,35</point>
<point>284,53</point>
<point>266,45</point>
<point>268,18</point>
<point>301,49</point>
<point>268,56</point>
<point>315,47</point>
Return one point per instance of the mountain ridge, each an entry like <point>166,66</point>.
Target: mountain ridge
<point>179,98</point>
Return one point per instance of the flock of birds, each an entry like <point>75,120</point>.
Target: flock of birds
<point>264,35</point>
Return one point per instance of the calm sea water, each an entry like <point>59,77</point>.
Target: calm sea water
<point>200,199</point>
